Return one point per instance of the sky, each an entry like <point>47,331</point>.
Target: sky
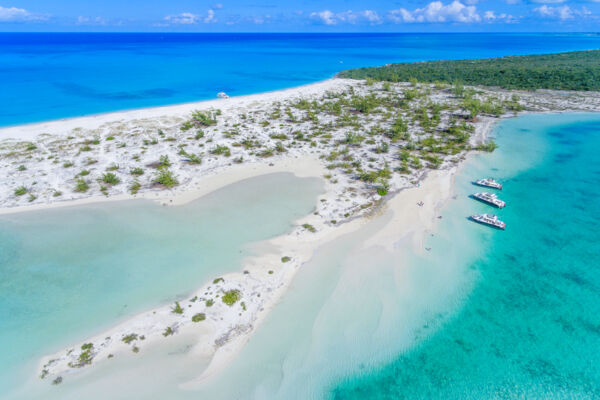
<point>300,16</point>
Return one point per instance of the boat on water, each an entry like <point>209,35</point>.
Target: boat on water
<point>488,182</point>
<point>222,95</point>
<point>489,220</point>
<point>489,198</point>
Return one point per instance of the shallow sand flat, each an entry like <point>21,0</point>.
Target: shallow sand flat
<point>341,210</point>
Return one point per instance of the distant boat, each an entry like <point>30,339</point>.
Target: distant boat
<point>488,182</point>
<point>489,198</point>
<point>489,220</point>
<point>222,95</point>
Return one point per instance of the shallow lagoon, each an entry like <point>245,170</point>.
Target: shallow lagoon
<point>69,273</point>
<point>483,314</point>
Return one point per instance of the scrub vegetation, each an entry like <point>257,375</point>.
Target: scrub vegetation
<point>577,70</point>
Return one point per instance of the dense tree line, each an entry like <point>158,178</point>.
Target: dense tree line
<point>577,70</point>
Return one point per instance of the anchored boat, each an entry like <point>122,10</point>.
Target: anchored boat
<point>489,220</point>
<point>488,182</point>
<point>489,198</point>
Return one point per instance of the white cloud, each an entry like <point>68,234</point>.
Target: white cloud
<point>210,17</point>
<point>183,19</point>
<point>562,13</point>
<point>82,20</point>
<point>327,17</point>
<point>14,14</point>
<point>436,11</point>
<point>491,16</point>
<point>188,18</point>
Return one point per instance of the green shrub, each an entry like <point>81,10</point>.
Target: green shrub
<point>199,317</point>
<point>177,309</point>
<point>134,187</point>
<point>309,228</point>
<point>20,191</point>
<point>209,302</point>
<point>127,339</point>
<point>168,332</point>
<point>137,171</point>
<point>166,178</point>
<point>164,162</point>
<point>110,179</point>
<point>285,259</point>
<point>230,297</point>
<point>221,150</point>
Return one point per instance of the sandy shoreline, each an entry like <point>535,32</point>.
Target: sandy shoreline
<point>354,177</point>
<point>65,125</point>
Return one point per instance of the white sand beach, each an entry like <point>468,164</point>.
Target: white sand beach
<point>365,170</point>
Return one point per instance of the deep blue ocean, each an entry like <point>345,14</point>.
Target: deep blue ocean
<point>46,76</point>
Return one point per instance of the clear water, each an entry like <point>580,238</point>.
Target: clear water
<point>69,273</point>
<point>484,314</point>
<point>531,326</point>
<point>48,76</point>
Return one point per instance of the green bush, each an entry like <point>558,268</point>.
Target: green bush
<point>110,179</point>
<point>166,178</point>
<point>163,162</point>
<point>127,339</point>
<point>134,187</point>
<point>20,191</point>
<point>177,309</point>
<point>221,150</point>
<point>81,186</point>
<point>168,331</point>
<point>199,317</point>
<point>230,297</point>
<point>309,228</point>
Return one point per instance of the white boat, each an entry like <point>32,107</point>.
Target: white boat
<point>489,220</point>
<point>222,95</point>
<point>489,198</point>
<point>489,182</point>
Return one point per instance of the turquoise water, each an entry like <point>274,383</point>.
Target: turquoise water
<point>531,326</point>
<point>48,76</point>
<point>484,314</point>
<point>69,273</point>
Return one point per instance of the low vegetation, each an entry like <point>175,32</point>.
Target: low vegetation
<point>577,70</point>
<point>230,297</point>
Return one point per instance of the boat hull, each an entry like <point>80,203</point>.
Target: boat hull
<point>487,186</point>
<point>489,203</point>
<point>487,224</point>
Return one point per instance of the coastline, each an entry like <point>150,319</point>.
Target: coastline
<point>434,190</point>
<point>62,126</point>
<point>343,209</point>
